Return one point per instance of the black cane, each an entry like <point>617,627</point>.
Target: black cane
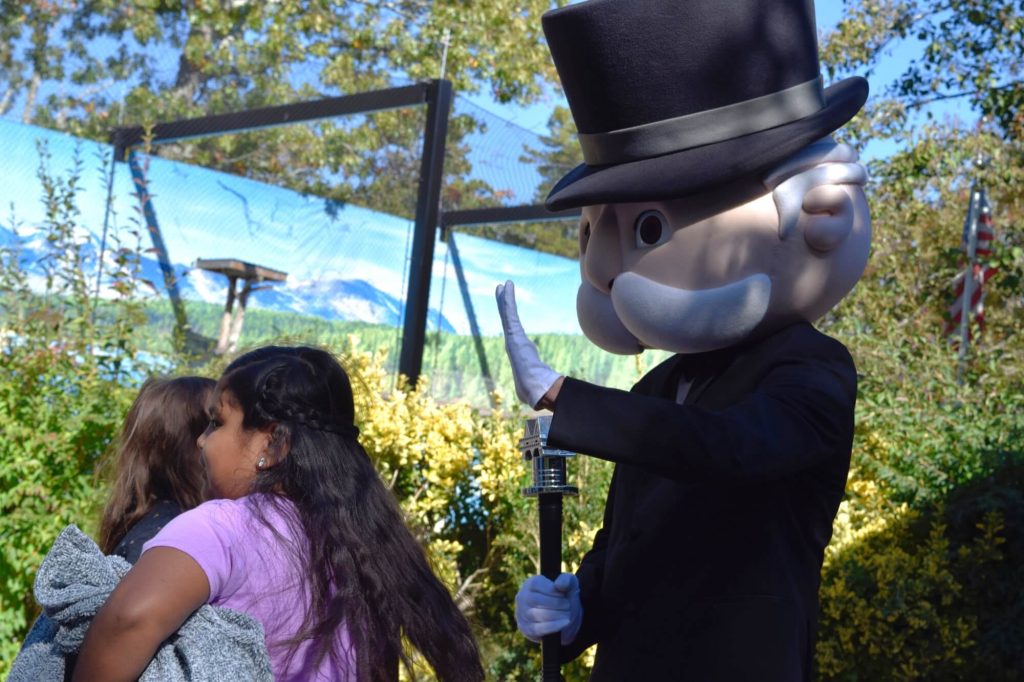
<point>549,485</point>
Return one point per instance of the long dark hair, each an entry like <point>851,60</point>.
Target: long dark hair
<point>367,569</point>
<point>157,456</point>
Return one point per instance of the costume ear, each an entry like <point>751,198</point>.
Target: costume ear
<point>828,216</point>
<point>790,187</point>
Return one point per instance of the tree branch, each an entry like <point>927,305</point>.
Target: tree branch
<point>954,95</point>
<point>463,595</point>
<point>7,101</point>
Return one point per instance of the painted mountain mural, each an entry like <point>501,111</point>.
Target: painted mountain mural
<point>328,298</point>
<point>344,262</point>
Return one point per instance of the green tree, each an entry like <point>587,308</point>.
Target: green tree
<point>102,62</point>
<point>967,49</point>
<point>558,154</point>
<point>901,595</point>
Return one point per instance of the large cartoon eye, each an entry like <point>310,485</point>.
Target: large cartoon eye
<point>651,229</point>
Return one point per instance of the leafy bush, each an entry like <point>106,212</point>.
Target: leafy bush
<point>932,594</point>
<point>63,392</point>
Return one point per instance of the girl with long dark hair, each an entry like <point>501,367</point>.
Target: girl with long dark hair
<point>307,539</point>
<point>157,472</point>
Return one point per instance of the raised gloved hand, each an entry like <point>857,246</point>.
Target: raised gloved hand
<point>544,607</point>
<point>532,377</point>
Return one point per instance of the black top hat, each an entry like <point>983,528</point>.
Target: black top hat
<point>672,97</point>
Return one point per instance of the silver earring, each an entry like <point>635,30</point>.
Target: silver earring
<point>262,463</point>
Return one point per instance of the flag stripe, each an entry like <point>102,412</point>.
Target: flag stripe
<point>980,273</point>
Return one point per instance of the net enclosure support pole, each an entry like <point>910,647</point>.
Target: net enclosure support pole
<point>428,208</point>
<point>474,328</point>
<point>141,184</point>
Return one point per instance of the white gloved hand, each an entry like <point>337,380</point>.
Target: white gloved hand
<point>544,607</point>
<point>532,377</point>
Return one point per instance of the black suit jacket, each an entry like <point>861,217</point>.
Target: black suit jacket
<point>708,563</point>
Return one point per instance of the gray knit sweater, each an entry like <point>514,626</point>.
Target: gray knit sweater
<point>75,580</point>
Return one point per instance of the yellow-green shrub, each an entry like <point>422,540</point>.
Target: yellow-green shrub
<point>932,594</point>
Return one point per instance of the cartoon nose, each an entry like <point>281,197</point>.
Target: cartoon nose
<point>602,261</point>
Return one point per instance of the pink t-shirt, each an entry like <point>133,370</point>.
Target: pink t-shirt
<point>253,570</point>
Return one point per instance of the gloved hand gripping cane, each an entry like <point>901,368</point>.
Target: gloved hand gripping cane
<point>547,606</point>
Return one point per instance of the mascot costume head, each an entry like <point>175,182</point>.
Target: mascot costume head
<point>716,206</point>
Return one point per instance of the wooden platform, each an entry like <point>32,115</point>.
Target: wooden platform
<point>240,269</point>
<point>251,275</point>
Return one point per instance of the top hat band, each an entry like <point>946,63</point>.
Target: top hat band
<point>704,127</point>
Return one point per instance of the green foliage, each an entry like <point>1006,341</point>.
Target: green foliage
<point>233,56</point>
<point>62,396</point>
<point>931,594</point>
<point>920,579</point>
<point>936,415</point>
<point>970,50</point>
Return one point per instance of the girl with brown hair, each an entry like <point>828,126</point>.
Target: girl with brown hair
<point>158,472</point>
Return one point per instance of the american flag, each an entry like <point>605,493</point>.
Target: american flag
<point>979,272</point>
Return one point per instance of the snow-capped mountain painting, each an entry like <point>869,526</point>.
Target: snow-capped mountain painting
<point>329,299</point>
<point>343,262</point>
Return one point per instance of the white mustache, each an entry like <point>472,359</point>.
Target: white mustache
<point>643,313</point>
<point>600,323</point>
<point>684,321</point>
